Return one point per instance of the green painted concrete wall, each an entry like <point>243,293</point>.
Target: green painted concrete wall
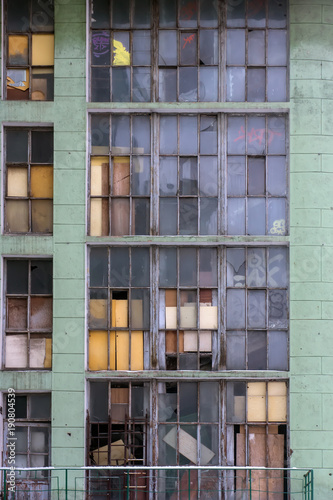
<point>311,238</point>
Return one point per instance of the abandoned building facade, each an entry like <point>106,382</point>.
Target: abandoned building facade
<point>166,245</point>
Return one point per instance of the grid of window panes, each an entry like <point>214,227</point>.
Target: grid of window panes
<point>257,175</point>
<point>257,51</point>
<point>120,175</point>
<point>188,309</point>
<point>121,51</point>
<point>188,175</point>
<point>256,434</point>
<point>32,433</point>
<point>29,45</point>
<point>119,308</point>
<point>29,180</point>
<point>257,308</point>
<point>28,319</point>
<point>171,50</point>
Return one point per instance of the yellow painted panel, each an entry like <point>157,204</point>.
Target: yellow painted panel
<point>277,402</point>
<point>48,353</point>
<point>98,350</point>
<point>136,350</point>
<point>18,52</point>
<point>122,350</point>
<point>17,181</point>
<point>256,401</point>
<point>256,389</point>
<point>121,57</point>
<point>42,50</point>
<point>42,182</point>
<point>112,350</point>
<point>99,217</point>
<point>99,176</point>
<point>119,314</point>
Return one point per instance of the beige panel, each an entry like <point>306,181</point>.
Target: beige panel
<point>42,50</point>
<point>256,401</point>
<point>208,317</point>
<point>171,318</point>
<point>17,216</point>
<point>190,341</point>
<point>42,216</point>
<point>188,446</point>
<point>99,217</point>
<point>37,352</point>
<point>17,181</point>
<point>188,316</point>
<point>16,351</point>
<point>137,313</point>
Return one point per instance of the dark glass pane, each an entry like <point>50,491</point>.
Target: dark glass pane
<point>168,216</point>
<point>119,269</point>
<point>140,309</point>
<point>256,14</point>
<point>168,267</point>
<point>141,18</point>
<point>277,13</point>
<point>208,13</point>
<point>20,406</point>
<point>17,145</point>
<point>236,13</point>
<point>17,276</point>
<point>188,84</point>
<point>168,13</point>
<point>207,267</point>
<point>256,176</point>
<point>188,216</point>
<point>42,15</point>
<point>99,401</point>
<point>256,85</point>
<point>100,132</point>
<point>42,147</point>
<point>141,85</point>
<point>141,48</point>
<point>257,356</point>
<point>40,406</point>
<point>188,267</point>
<point>141,215</point>
<point>100,17</point>
<point>140,267</point>
<point>99,267</point>
<point>121,133</point>
<point>167,48</point>
<point>236,351</point>
<point>120,14</point>
<point>141,134</point>
<point>100,84</point>
<point>188,176</point>
<point>100,48</point>
<point>121,84</point>
<point>18,15</point>
<point>188,402</point>
<point>41,276</point>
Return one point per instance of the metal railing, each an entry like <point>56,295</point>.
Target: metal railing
<point>156,483</point>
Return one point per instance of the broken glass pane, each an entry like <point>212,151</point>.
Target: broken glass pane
<point>208,47</point>
<point>208,135</point>
<point>188,216</point>
<point>41,277</point>
<point>168,85</point>
<point>188,176</point>
<point>167,48</point>
<point>235,267</point>
<point>188,84</point>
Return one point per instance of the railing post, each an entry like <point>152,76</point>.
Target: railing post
<point>128,486</point>
<point>189,484</point>
<point>311,473</point>
<point>5,484</point>
<point>250,481</point>
<point>66,484</point>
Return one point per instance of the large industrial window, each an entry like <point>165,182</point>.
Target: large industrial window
<point>28,319</point>
<point>172,50</point>
<point>256,434</point>
<point>192,171</point>
<point>218,308</point>
<point>119,308</point>
<point>29,50</point>
<point>28,180</point>
<point>31,437</point>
